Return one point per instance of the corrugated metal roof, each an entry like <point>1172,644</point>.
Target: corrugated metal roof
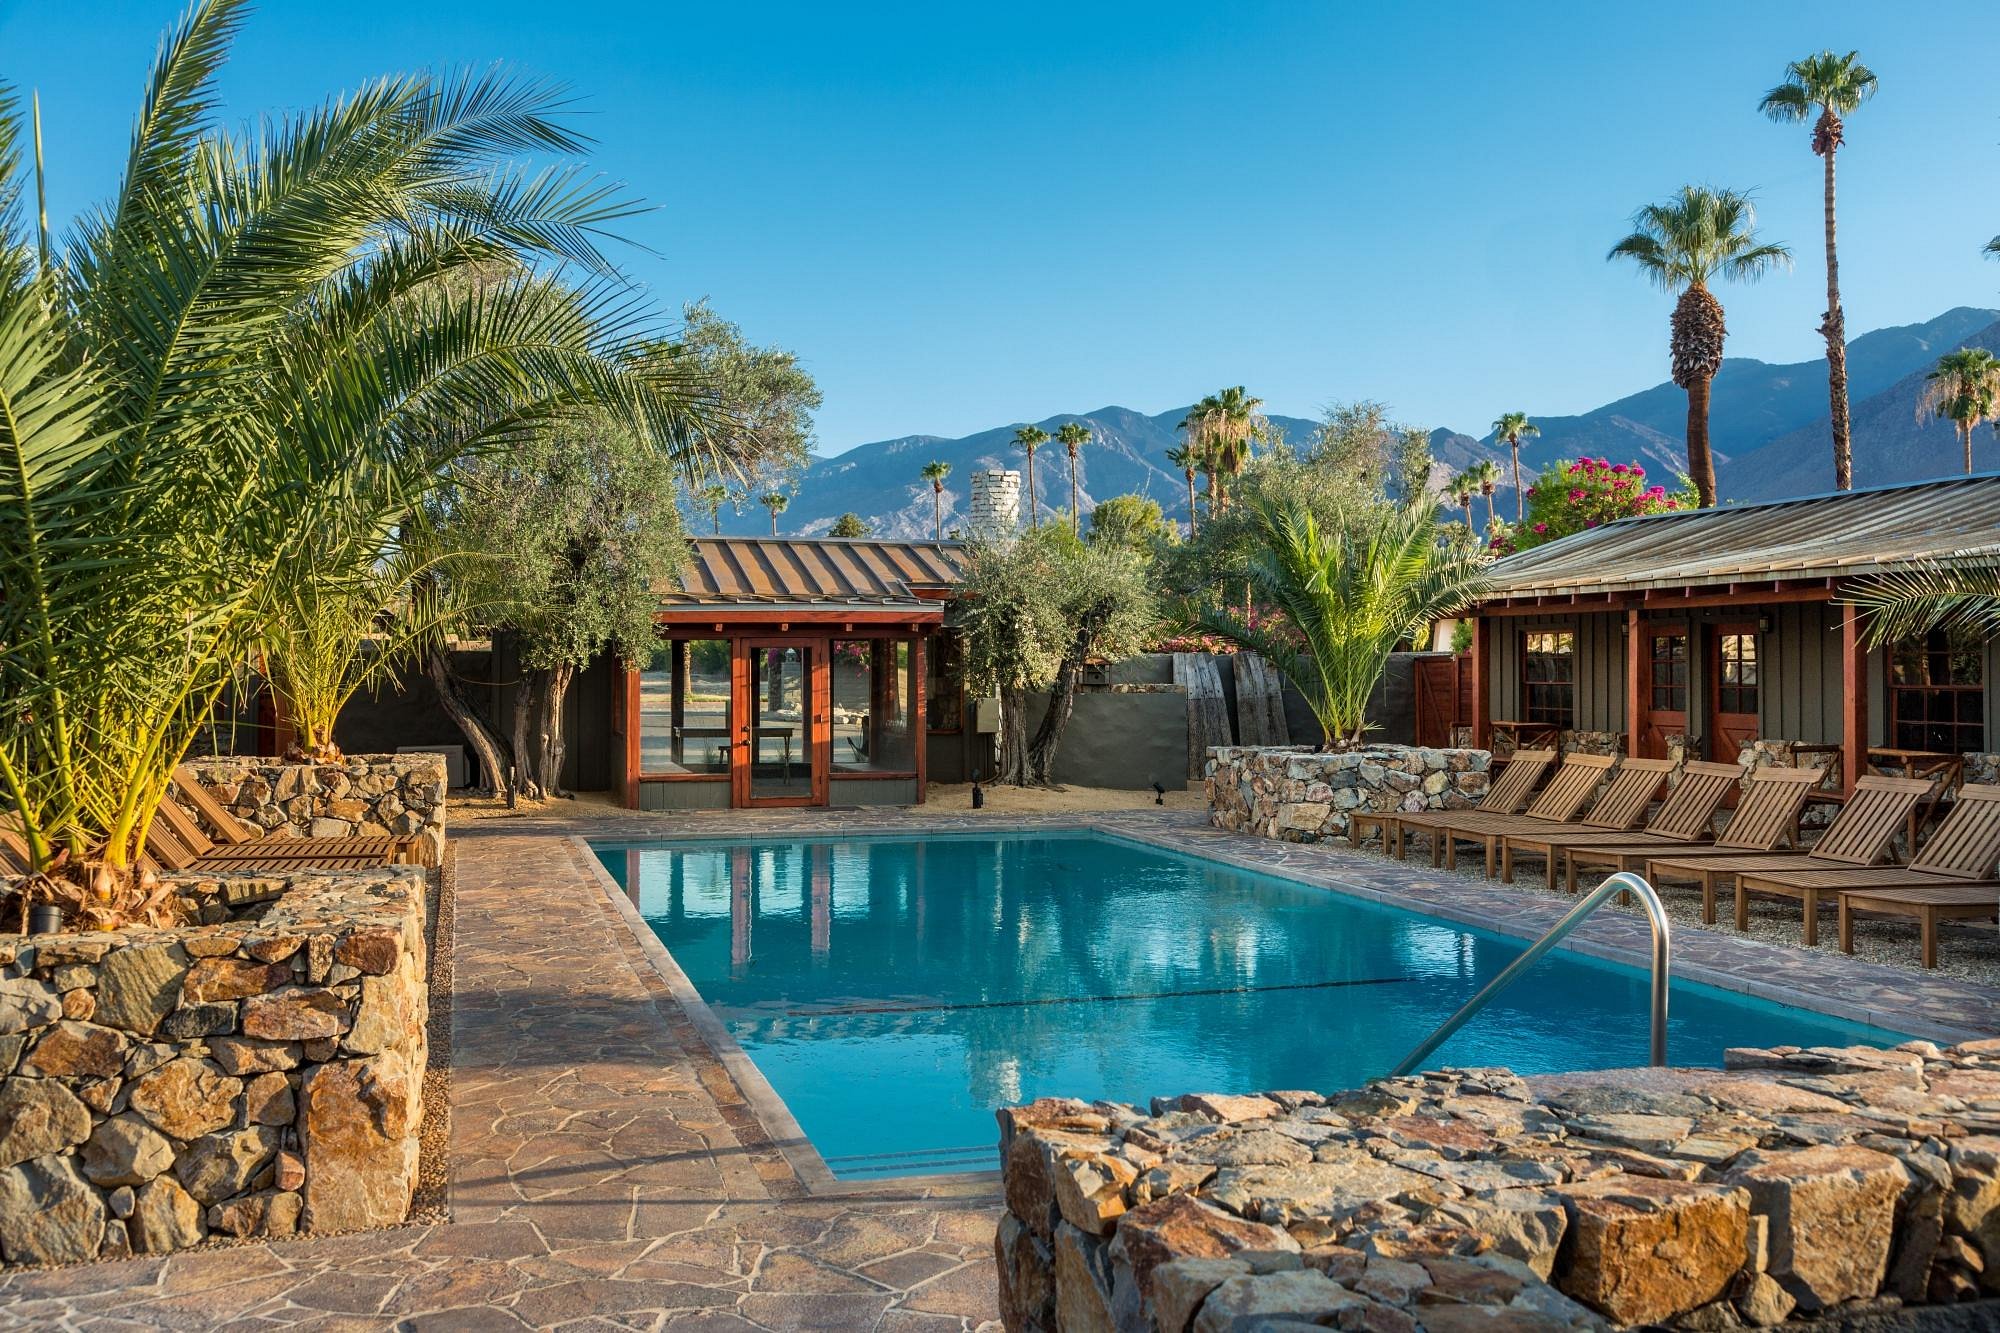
<point>812,571</point>
<point>1839,535</point>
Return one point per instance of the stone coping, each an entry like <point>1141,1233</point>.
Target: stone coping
<point>1831,1179</point>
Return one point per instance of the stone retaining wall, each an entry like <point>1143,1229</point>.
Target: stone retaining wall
<point>1795,1181</point>
<point>1301,795</point>
<point>376,794</point>
<point>258,1075</point>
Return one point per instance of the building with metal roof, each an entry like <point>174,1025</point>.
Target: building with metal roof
<point>1727,633</point>
<point>761,574</point>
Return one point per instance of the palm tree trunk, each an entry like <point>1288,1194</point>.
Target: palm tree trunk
<point>1965,431</point>
<point>1520,504</point>
<point>1701,464</point>
<point>1489,511</point>
<point>1075,528</point>
<point>937,504</point>
<point>1033,508</point>
<point>1190,482</point>
<point>1834,328</point>
<point>774,520</point>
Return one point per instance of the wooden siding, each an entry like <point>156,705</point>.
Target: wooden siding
<point>1600,666</point>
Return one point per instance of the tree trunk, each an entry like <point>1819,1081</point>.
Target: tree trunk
<point>1013,738</point>
<point>1965,431</point>
<point>1834,328</point>
<point>774,520</point>
<point>555,683</point>
<point>1520,496</point>
<point>485,745</point>
<point>1062,697</point>
<point>527,780</point>
<point>937,504</point>
<point>1190,482</point>
<point>1033,508</point>
<point>1075,515</point>
<point>1701,465</point>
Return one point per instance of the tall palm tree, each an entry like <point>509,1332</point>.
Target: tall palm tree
<point>935,472</point>
<point>1485,477</point>
<point>709,500</point>
<point>1028,439</point>
<point>1188,459</point>
<point>1511,427</point>
<point>777,502</point>
<point>1836,86</point>
<point>1073,435</point>
<point>1964,389</point>
<point>1194,430</point>
<point>1230,425</point>
<point>1682,245</point>
<point>1461,488</point>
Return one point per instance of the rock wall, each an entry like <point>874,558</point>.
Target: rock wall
<point>1798,1180</point>
<point>377,794</point>
<point>259,1075</point>
<point>1300,795</point>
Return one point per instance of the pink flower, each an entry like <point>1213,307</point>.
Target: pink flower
<point>1655,492</point>
<point>1590,522</point>
<point>1618,485</point>
<point>1619,469</point>
<point>1673,504</point>
<point>1574,496</point>
<point>1541,527</point>
<point>1531,490</point>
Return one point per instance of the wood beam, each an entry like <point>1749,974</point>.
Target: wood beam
<point>1635,696</point>
<point>1776,597</point>
<point>1854,702</point>
<point>1481,709</point>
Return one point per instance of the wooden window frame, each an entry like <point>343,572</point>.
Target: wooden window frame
<point>1931,693</point>
<point>1564,719</point>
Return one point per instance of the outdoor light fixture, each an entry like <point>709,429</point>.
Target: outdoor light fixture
<point>978,795</point>
<point>1159,794</point>
<point>1764,624</point>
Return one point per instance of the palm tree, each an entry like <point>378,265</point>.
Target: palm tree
<point>1836,85</point>
<point>1461,488</point>
<point>1511,427</point>
<point>777,502</point>
<point>1029,439</point>
<point>1485,478</point>
<point>1073,435</point>
<point>1694,238</point>
<point>1964,389</point>
<point>709,500</point>
<point>1225,425</point>
<point>1348,594</point>
<point>1188,459</point>
<point>935,472</point>
<point>1194,429</point>
<point>224,390</point>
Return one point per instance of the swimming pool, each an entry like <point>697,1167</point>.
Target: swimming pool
<point>895,990</point>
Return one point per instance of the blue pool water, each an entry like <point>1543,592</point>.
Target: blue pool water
<point>895,991</point>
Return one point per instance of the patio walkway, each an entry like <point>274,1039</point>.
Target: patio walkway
<point>605,1172</point>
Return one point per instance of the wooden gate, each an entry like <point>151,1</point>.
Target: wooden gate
<point>1437,699</point>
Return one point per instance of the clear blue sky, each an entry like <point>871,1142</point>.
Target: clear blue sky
<point>963,216</point>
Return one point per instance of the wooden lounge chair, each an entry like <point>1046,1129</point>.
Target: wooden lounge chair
<point>15,858</point>
<point>1505,795</point>
<point>1860,835</point>
<point>178,842</point>
<point>1926,902</point>
<point>1961,853</point>
<point>1618,812</point>
<point>1767,815</point>
<point>1560,802</point>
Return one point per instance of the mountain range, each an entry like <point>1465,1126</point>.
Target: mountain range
<point>1768,423</point>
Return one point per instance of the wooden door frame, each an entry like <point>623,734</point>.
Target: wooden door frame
<point>1642,691</point>
<point>1712,705</point>
<point>815,708</point>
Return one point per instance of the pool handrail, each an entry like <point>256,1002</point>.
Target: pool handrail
<point>1622,882</point>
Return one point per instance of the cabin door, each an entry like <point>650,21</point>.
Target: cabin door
<point>780,755</point>
<point>1664,689</point>
<point>1732,711</point>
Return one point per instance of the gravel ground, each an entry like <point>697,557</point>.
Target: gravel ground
<point>432,1199</point>
<point>1966,949</point>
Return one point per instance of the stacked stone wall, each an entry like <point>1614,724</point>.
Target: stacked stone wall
<point>1795,1183</point>
<point>400,794</point>
<point>1301,795</point>
<point>257,1075</point>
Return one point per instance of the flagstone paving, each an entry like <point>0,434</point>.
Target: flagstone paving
<point>608,1174</point>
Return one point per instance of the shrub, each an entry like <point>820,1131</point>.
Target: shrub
<point>1571,495</point>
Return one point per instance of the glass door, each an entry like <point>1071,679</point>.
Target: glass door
<point>778,756</point>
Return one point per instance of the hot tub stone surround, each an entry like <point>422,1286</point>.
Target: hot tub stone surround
<point>1302,795</point>
<point>259,1075</point>
<point>401,794</point>
<point>1793,1181</point>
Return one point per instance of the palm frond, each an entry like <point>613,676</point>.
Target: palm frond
<point>1907,604</point>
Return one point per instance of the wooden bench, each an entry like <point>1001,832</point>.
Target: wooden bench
<point>1560,802</point>
<point>1767,815</point>
<point>1928,903</point>
<point>1687,815</point>
<point>178,842</point>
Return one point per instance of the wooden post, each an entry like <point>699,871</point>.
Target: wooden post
<point>633,724</point>
<point>1482,710</point>
<point>919,722</point>
<point>1635,697</point>
<point>677,693</point>
<point>1854,703</point>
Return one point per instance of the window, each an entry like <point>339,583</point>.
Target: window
<point>1548,677</point>
<point>684,709</point>
<point>1736,689</point>
<point>1937,693</point>
<point>944,683</point>
<point>874,686</point>
<point>1670,672</point>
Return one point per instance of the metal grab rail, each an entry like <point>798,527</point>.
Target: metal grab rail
<point>1622,882</point>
